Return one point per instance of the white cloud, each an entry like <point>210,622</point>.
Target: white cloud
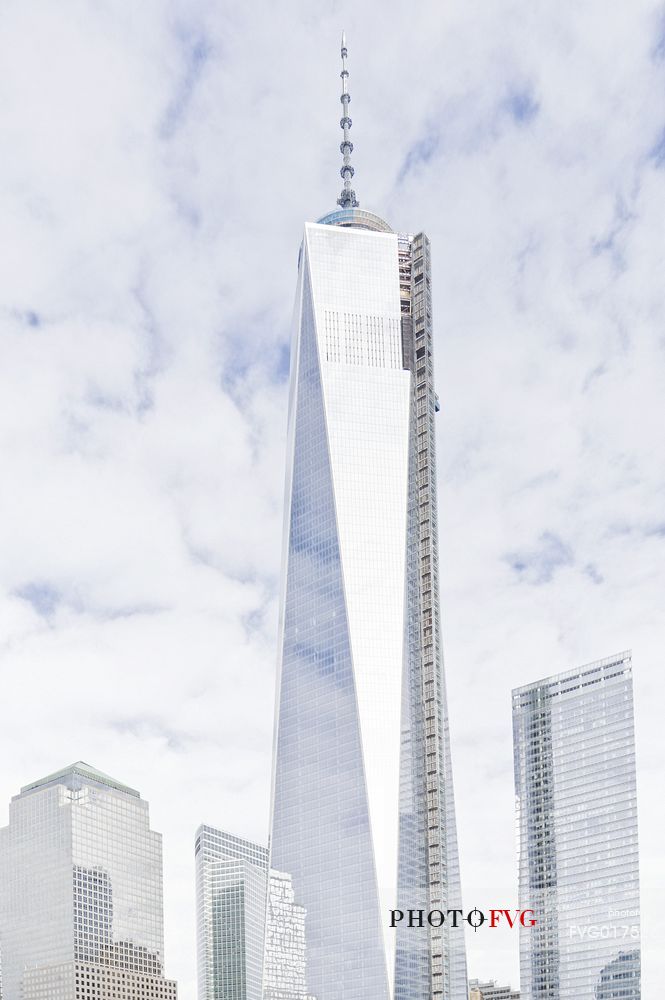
<point>158,163</point>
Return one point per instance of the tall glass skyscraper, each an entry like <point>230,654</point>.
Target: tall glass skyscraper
<point>363,811</point>
<point>81,892</point>
<point>577,823</point>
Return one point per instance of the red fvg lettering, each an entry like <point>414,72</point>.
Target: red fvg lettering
<point>525,917</point>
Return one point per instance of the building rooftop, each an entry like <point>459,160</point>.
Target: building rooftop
<point>598,667</point>
<point>220,845</point>
<point>355,218</point>
<point>85,773</point>
<point>491,991</point>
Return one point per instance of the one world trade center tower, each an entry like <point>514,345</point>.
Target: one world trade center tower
<point>363,814</point>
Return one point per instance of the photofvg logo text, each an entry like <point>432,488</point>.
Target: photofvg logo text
<point>475,918</point>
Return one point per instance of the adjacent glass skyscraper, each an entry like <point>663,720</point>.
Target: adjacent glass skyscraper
<point>363,811</point>
<point>231,876</point>
<point>577,823</point>
<point>81,892</point>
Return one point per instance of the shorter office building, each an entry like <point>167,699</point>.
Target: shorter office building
<point>241,955</point>
<point>285,964</point>
<point>491,991</point>
<point>231,878</point>
<point>576,799</point>
<point>81,911</point>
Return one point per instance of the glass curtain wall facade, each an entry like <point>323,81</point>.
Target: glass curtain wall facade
<point>285,970</point>
<point>81,892</point>
<point>231,876</point>
<point>577,826</point>
<point>363,808</point>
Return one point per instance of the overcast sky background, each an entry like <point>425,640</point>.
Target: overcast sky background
<point>158,162</point>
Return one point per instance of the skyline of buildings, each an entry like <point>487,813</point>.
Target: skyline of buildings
<point>575,787</point>
<point>81,909</point>
<point>363,814</point>
<point>578,869</point>
<point>363,810</point>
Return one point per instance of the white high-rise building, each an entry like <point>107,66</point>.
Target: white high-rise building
<point>577,823</point>
<point>81,911</point>
<point>230,915</point>
<point>363,810</point>
<point>241,955</point>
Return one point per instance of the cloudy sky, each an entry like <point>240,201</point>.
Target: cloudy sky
<point>158,162</point>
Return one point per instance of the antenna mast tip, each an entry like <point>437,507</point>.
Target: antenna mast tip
<point>347,198</point>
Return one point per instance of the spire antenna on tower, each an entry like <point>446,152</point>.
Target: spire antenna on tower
<point>347,198</point>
